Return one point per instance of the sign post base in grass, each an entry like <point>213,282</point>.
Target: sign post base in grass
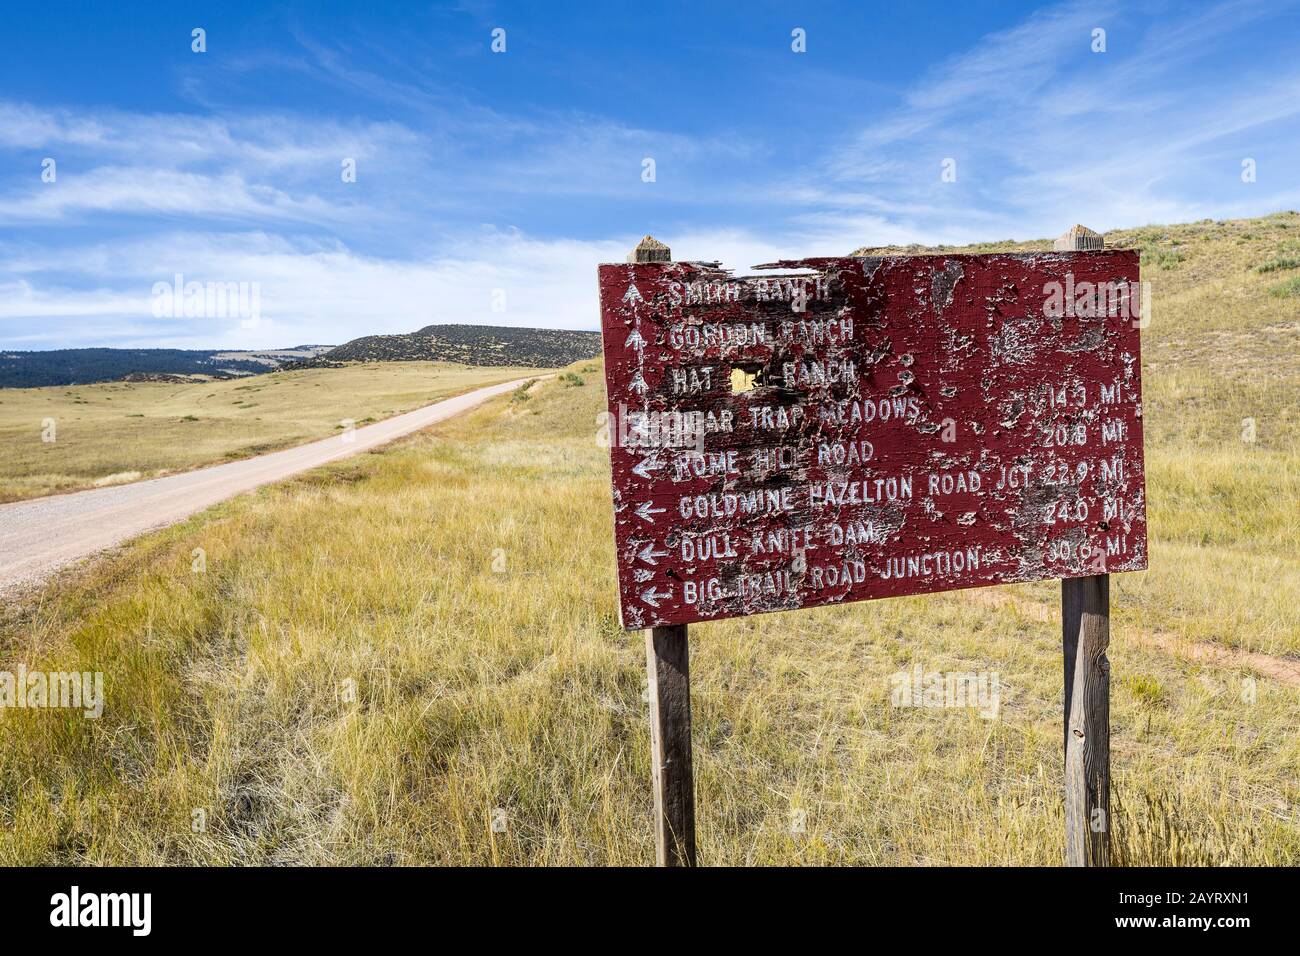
<point>668,666</point>
<point>1085,635</point>
<point>669,671</point>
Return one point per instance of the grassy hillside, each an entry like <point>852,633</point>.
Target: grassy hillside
<point>384,655</point>
<point>122,431</point>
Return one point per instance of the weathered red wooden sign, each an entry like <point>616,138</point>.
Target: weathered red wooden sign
<point>852,428</point>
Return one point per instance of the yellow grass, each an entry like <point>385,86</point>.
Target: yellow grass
<point>124,431</point>
<point>386,653</point>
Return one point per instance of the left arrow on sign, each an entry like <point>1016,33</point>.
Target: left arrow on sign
<point>653,597</point>
<point>648,554</point>
<point>646,508</point>
<point>651,463</point>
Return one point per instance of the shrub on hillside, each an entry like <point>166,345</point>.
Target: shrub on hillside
<point>1160,258</point>
<point>1279,264</point>
<point>1287,289</point>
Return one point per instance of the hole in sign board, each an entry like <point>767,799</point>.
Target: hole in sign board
<point>744,379</point>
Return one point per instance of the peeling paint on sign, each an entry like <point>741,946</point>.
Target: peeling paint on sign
<point>854,428</point>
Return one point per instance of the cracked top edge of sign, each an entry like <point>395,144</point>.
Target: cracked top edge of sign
<point>814,263</point>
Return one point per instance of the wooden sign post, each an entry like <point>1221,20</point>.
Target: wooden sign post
<point>851,428</point>
<point>668,669</point>
<point>1085,634</point>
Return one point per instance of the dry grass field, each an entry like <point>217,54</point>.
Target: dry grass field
<point>124,431</point>
<point>382,658</point>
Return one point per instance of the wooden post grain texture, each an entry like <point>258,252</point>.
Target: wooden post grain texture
<point>668,667</point>
<point>1085,609</point>
<point>668,664</point>
<point>1085,636</point>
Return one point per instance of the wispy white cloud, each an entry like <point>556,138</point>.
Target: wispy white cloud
<point>1010,65</point>
<point>254,168</point>
<point>264,140</point>
<point>1044,132</point>
<point>322,291</point>
<point>149,192</point>
<point>459,199</point>
<point>310,291</point>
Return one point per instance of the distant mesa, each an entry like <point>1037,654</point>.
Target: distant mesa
<point>86,366</point>
<point>466,344</point>
<point>469,345</point>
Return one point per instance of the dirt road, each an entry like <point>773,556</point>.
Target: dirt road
<point>40,536</point>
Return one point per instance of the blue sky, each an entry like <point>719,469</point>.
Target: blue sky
<point>488,185</point>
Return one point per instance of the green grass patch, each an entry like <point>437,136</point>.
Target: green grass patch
<point>1286,290</point>
<point>1280,264</point>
